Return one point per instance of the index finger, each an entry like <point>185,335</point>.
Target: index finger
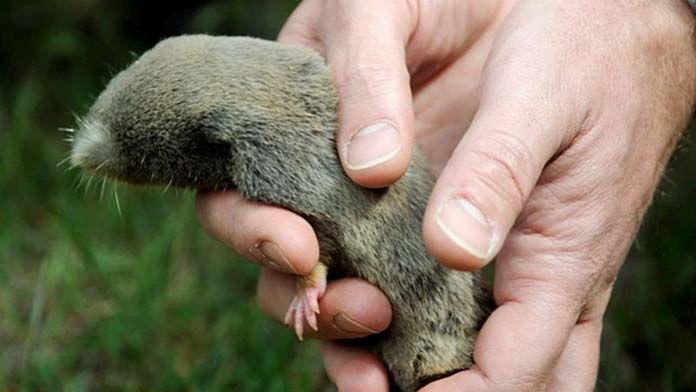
<point>365,44</point>
<point>272,236</point>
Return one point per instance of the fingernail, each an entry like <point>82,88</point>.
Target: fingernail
<point>270,255</point>
<point>466,226</point>
<point>372,145</point>
<point>346,324</point>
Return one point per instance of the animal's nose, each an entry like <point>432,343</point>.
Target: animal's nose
<point>93,147</point>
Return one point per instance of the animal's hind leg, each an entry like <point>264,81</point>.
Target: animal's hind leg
<point>305,305</point>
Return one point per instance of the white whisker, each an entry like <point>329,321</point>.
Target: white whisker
<point>63,161</point>
<point>166,188</point>
<point>118,203</point>
<point>101,193</point>
<point>96,169</point>
<point>78,182</point>
<point>89,183</point>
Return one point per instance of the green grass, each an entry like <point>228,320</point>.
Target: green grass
<point>143,300</point>
<point>91,299</point>
<point>94,299</point>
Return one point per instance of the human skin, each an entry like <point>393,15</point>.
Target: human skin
<point>549,122</point>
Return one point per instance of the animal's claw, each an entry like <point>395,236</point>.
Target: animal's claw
<point>305,305</point>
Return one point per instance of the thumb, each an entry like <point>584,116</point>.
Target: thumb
<point>491,173</point>
<point>365,47</point>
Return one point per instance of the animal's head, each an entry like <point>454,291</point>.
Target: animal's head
<point>157,122</point>
<point>188,109</point>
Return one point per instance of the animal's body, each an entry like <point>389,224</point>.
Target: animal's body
<point>260,117</point>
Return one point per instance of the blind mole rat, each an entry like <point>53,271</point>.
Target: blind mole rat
<point>258,116</point>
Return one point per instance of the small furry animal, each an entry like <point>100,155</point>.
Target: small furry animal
<point>258,116</point>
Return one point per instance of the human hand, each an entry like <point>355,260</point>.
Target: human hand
<point>283,241</point>
<point>581,106</point>
<point>558,79</point>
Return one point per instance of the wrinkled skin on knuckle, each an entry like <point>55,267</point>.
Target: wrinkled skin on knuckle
<point>577,223</point>
<point>528,382</point>
<point>525,381</point>
<point>584,224</point>
<point>564,277</point>
<point>508,174</point>
<point>561,217</point>
<point>369,79</point>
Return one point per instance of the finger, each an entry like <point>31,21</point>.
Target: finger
<point>365,48</point>
<point>352,369</point>
<point>272,236</point>
<point>521,123</point>
<point>350,308</point>
<point>483,188</point>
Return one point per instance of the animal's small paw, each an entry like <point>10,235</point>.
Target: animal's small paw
<point>305,305</point>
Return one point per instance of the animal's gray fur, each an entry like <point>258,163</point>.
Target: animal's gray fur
<point>218,112</point>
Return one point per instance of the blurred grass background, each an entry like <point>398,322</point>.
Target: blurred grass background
<point>94,300</point>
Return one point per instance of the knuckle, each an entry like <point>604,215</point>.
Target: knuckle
<point>524,379</point>
<point>575,265</point>
<point>530,382</point>
<point>559,279</point>
<point>507,166</point>
<point>368,80</point>
<point>585,274</point>
<point>560,294</point>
